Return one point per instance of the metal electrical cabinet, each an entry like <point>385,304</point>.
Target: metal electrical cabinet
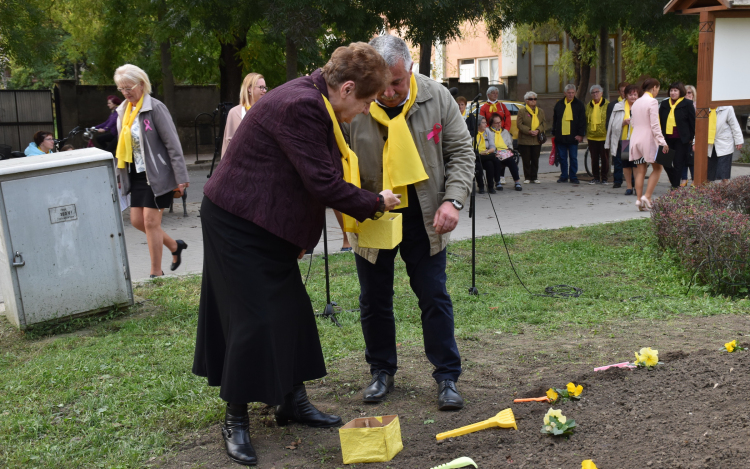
<point>62,244</point>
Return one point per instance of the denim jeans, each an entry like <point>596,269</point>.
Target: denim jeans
<point>565,152</point>
<point>427,279</point>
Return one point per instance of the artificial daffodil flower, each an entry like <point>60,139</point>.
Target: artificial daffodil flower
<point>729,345</point>
<point>552,395</point>
<point>574,390</point>
<point>555,413</point>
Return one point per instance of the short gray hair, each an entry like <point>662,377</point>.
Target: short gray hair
<point>529,94</point>
<point>393,49</point>
<point>596,88</point>
<point>133,74</point>
<point>491,89</point>
<point>569,86</point>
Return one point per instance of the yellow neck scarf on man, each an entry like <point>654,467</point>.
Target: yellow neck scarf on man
<point>499,142</point>
<point>567,117</point>
<point>596,115</point>
<point>711,126</point>
<point>493,107</point>
<point>671,123</point>
<point>349,163</point>
<point>534,117</point>
<point>626,127</point>
<point>402,164</point>
<point>125,142</point>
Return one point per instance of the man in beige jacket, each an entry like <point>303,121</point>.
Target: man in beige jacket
<point>417,116</point>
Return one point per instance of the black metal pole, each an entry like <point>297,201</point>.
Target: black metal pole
<point>328,311</point>
<point>472,206</point>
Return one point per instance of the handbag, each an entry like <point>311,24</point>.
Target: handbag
<point>665,159</point>
<point>541,137</point>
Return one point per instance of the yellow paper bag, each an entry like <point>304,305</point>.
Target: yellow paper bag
<point>371,439</point>
<point>384,233</point>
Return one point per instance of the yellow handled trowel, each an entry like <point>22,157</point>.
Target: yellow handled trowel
<point>504,419</point>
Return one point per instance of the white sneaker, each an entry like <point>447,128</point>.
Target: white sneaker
<point>526,181</point>
<point>537,181</point>
<point>502,180</point>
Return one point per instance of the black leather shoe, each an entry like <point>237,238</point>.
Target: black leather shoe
<point>297,408</point>
<point>480,191</point>
<point>492,190</point>
<point>154,276</point>
<point>448,396</point>
<point>236,433</point>
<point>180,246</point>
<point>381,384</point>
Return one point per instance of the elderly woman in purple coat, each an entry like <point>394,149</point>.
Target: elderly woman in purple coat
<point>262,209</point>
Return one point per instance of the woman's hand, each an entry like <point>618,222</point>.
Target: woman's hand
<point>626,121</point>
<point>183,186</point>
<point>101,131</point>
<point>391,200</point>
<point>665,149</point>
<point>739,147</point>
<point>302,253</point>
<point>534,133</point>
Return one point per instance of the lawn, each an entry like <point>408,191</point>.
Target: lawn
<point>116,390</point>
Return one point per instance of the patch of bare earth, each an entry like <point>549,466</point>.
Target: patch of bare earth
<point>690,412</point>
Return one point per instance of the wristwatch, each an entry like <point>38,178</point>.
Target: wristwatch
<point>456,203</point>
<point>381,208</point>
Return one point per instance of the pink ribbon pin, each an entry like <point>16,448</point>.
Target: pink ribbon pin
<point>435,133</point>
<point>148,124</point>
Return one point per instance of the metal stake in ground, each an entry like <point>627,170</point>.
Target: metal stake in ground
<point>472,203</point>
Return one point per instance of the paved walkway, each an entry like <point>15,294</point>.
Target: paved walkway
<point>547,205</point>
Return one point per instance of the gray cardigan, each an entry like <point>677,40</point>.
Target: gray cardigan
<point>165,164</point>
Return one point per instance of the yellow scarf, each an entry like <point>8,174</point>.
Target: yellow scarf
<point>626,127</point>
<point>463,114</point>
<point>349,163</point>
<point>649,94</point>
<point>619,100</point>
<point>499,142</point>
<point>402,164</point>
<point>534,117</point>
<point>125,142</point>
<point>567,117</point>
<point>247,108</point>
<point>596,115</point>
<point>670,120</point>
<point>711,126</point>
<point>481,144</point>
<point>493,107</point>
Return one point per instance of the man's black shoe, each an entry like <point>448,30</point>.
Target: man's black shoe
<point>617,185</point>
<point>381,384</point>
<point>297,408</point>
<point>448,396</point>
<point>481,191</point>
<point>492,190</point>
<point>562,180</point>
<point>236,433</point>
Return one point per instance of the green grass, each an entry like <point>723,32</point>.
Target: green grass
<point>108,392</point>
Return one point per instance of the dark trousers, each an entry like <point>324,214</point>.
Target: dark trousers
<point>427,279</point>
<point>530,159</point>
<point>509,163</point>
<point>618,175</point>
<point>491,167</point>
<point>568,167</point>
<point>680,158</point>
<point>598,153</point>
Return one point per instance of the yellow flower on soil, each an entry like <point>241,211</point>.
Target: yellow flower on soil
<point>574,390</point>
<point>588,464</point>
<point>731,346</point>
<point>552,395</point>
<point>637,359</point>
<point>649,357</point>
<point>554,413</point>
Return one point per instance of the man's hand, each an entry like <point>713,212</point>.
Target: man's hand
<point>579,139</point>
<point>391,200</point>
<point>446,218</point>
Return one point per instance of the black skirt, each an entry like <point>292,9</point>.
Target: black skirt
<point>257,335</point>
<point>141,194</point>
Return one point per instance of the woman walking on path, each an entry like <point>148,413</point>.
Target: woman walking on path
<point>677,119</point>
<point>262,209</point>
<point>645,140</point>
<point>619,130</point>
<point>530,121</point>
<point>150,164</point>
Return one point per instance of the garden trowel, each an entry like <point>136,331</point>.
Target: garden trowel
<point>504,419</point>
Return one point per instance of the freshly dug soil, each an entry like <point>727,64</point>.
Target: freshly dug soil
<point>690,412</point>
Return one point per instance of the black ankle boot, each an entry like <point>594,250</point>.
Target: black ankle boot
<point>297,408</point>
<point>236,433</point>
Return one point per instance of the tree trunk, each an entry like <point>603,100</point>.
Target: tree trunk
<point>604,60</point>
<point>291,59</point>
<point>167,76</point>
<point>585,78</point>
<point>425,57</point>
<point>230,69</point>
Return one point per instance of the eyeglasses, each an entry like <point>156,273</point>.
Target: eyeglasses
<point>531,99</point>
<point>129,90</point>
<point>50,138</point>
<point>262,88</point>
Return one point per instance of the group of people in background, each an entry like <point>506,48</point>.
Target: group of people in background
<point>625,135</point>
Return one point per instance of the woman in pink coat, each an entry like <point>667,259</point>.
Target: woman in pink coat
<point>645,141</point>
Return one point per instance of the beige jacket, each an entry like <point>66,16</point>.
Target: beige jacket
<point>449,164</point>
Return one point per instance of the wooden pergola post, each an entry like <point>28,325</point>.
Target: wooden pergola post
<point>703,89</point>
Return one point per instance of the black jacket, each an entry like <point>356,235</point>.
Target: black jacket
<point>684,116</point>
<point>577,127</point>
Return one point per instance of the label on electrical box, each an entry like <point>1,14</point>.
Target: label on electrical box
<point>61,214</point>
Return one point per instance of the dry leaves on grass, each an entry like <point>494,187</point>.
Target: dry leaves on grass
<point>294,444</point>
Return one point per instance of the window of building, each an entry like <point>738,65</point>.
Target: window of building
<point>489,68</point>
<point>466,71</point>
<point>544,56</point>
